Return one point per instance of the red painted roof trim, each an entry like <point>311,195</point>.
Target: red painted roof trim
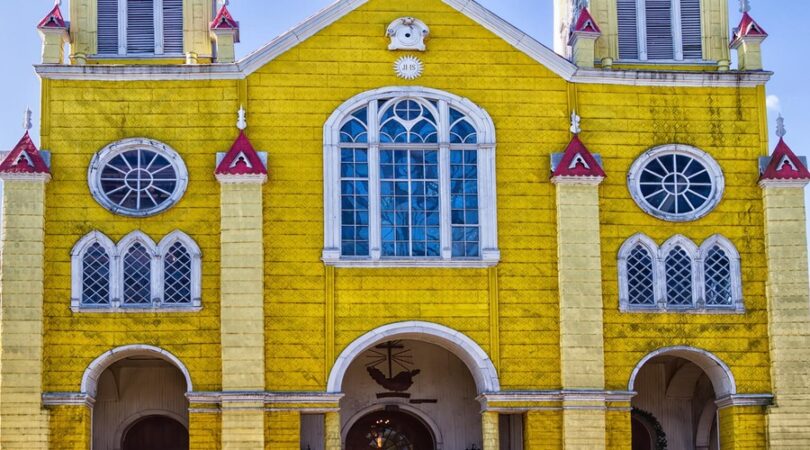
<point>586,23</point>
<point>779,169</point>
<point>749,28</point>
<point>224,20</point>
<point>54,19</point>
<point>572,165</point>
<point>241,159</point>
<point>30,163</point>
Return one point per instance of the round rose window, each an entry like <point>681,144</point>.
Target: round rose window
<point>137,177</point>
<point>676,183</point>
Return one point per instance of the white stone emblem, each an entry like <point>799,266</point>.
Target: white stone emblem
<point>408,67</point>
<point>407,33</point>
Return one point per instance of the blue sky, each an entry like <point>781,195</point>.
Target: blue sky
<point>262,20</point>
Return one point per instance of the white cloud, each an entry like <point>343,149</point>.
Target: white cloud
<point>774,104</point>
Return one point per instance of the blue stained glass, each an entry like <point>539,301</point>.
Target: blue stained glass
<point>423,132</point>
<point>347,170</point>
<point>348,217</point>
<point>347,155</point>
<point>354,202</point>
<point>464,203</point>
<point>347,202</point>
<point>347,233</point>
<point>462,132</point>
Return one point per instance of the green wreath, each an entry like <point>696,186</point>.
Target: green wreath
<point>660,436</point>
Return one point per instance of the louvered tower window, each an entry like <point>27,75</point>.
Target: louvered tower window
<point>660,30</point>
<point>140,27</point>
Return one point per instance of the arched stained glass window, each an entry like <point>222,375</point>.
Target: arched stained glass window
<point>96,276</point>
<point>717,272</point>
<point>679,277</point>
<point>137,276</point>
<point>177,275</point>
<point>410,181</point>
<point>640,278</point>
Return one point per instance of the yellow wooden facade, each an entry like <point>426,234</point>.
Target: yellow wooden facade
<point>524,312</point>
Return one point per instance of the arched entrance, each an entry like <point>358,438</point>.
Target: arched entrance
<point>677,389</point>
<point>156,432</point>
<point>390,430</point>
<point>140,399</point>
<point>424,370</point>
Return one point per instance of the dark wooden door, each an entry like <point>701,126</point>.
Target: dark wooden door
<point>389,430</point>
<point>156,433</point>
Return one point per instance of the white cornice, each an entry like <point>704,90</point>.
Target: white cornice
<point>506,31</point>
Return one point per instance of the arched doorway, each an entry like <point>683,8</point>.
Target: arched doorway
<point>156,432</point>
<point>675,403</point>
<point>140,399</point>
<point>390,430</point>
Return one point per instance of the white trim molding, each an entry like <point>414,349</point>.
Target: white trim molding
<point>438,103</point>
<point>93,372</point>
<point>718,372</point>
<point>506,31</point>
<point>592,399</point>
<point>635,181</point>
<point>113,150</point>
<point>116,253</point>
<point>697,255</point>
<point>468,351</point>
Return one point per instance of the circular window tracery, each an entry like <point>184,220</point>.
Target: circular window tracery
<point>137,177</point>
<point>677,183</point>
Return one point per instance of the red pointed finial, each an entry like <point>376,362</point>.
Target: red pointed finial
<point>54,19</point>
<point>242,162</point>
<point>25,160</point>
<point>585,23</point>
<point>784,165</point>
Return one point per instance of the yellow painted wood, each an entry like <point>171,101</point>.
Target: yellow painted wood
<point>242,294</point>
<point>332,431</point>
<point>69,427</point>
<point>543,430</point>
<point>53,46</point>
<point>584,428</point>
<point>788,291</point>
<point>745,428</point>
<point>23,422</point>
<point>243,427</point>
<point>204,430</point>
<point>490,430</point>
<point>494,318</point>
<point>197,16</point>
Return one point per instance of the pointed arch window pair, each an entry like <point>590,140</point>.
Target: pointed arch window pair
<point>135,273</point>
<point>411,172</point>
<point>679,275</point>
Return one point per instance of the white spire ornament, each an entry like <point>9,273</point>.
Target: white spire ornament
<point>241,123</point>
<point>575,120</point>
<point>222,3</point>
<point>27,120</point>
<point>745,6</point>
<point>780,127</point>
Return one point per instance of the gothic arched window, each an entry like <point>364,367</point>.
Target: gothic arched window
<point>410,180</point>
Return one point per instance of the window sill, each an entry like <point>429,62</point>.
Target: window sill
<point>719,310</point>
<point>114,309</point>
<point>491,258</point>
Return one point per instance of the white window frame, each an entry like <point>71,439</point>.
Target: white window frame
<point>112,150</point>
<point>490,254</point>
<point>158,30</point>
<point>677,34</point>
<point>697,254</point>
<point>716,173</point>
<point>116,253</point>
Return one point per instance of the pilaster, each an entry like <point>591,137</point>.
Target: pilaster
<point>744,427</point>
<point>242,173</point>
<point>789,315</point>
<point>490,428</point>
<point>577,177</point>
<point>332,431</point>
<point>23,422</point>
<point>197,15</point>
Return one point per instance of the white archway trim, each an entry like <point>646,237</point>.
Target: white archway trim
<point>718,372</point>
<point>474,357</point>
<point>93,372</point>
<point>704,426</point>
<point>698,257</point>
<point>418,413</point>
<point>489,254</point>
<point>124,427</point>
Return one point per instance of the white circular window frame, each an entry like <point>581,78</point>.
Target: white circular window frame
<point>718,181</point>
<point>109,152</point>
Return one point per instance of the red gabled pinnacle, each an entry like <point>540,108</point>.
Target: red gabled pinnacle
<point>224,20</point>
<point>54,20</point>
<point>577,161</point>
<point>242,159</point>
<point>586,23</point>
<point>24,159</point>
<point>749,28</point>
<point>785,165</point>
